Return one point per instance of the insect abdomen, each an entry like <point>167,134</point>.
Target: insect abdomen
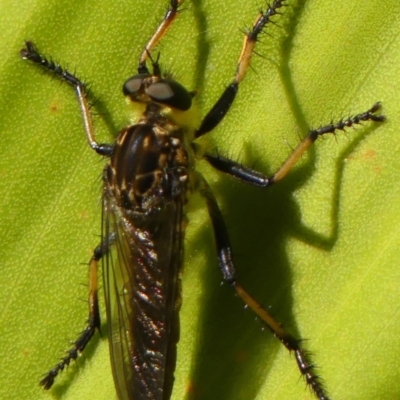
<point>145,191</point>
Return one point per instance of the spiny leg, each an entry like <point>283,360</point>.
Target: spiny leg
<point>256,178</point>
<point>30,53</point>
<point>93,321</point>
<point>227,268</point>
<point>169,17</point>
<point>222,106</point>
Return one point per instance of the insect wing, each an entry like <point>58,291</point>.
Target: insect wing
<point>142,292</point>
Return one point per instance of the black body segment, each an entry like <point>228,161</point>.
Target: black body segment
<point>220,108</point>
<point>146,185</point>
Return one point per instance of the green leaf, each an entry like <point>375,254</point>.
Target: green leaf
<point>320,250</point>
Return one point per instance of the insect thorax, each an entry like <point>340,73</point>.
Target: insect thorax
<point>151,163</point>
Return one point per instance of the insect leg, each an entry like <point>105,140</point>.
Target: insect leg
<point>256,178</point>
<point>93,321</point>
<point>222,106</point>
<point>227,268</point>
<point>30,53</point>
<point>169,17</point>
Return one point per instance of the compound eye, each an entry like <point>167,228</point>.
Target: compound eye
<point>170,93</point>
<point>133,85</point>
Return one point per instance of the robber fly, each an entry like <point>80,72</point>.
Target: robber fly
<point>146,184</point>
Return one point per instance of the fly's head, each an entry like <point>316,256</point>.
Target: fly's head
<point>147,88</point>
<point>160,95</point>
